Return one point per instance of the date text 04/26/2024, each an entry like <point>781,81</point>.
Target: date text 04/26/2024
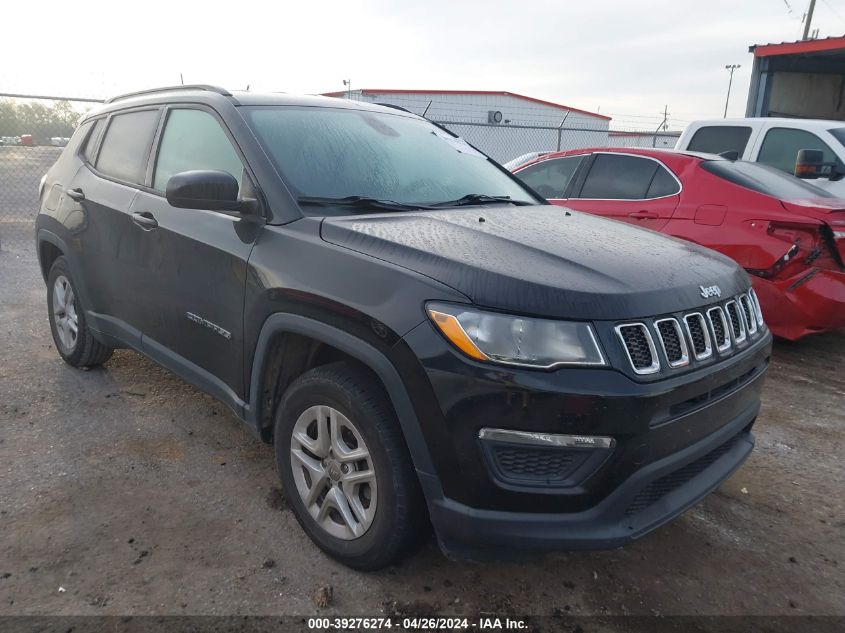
<point>418,624</point>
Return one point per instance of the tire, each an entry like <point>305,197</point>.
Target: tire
<point>79,348</point>
<point>385,514</point>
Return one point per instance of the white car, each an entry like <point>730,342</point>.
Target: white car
<point>776,142</point>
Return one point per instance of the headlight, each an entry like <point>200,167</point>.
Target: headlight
<point>515,340</point>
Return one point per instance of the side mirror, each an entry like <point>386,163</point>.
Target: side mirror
<point>810,164</point>
<point>207,189</point>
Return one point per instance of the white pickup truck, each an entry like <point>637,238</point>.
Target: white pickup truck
<point>776,142</point>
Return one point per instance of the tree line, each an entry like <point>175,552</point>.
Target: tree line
<point>36,118</point>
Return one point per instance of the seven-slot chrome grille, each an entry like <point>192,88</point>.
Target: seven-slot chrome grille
<point>696,335</point>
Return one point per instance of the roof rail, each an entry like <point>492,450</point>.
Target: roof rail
<point>138,93</point>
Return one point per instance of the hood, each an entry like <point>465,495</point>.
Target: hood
<point>544,260</point>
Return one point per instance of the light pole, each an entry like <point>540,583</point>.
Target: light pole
<point>348,84</point>
<point>731,68</point>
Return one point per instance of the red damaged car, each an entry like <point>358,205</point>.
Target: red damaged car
<point>788,234</point>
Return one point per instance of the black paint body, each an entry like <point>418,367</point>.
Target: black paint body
<point>360,284</point>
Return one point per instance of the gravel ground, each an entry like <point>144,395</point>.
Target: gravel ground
<point>124,490</point>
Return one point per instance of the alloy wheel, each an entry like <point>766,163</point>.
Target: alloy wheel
<point>64,313</point>
<point>334,472</point>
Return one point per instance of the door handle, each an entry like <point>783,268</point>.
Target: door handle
<point>644,215</point>
<point>76,194</point>
<point>144,219</point>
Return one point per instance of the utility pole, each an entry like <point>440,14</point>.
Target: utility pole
<point>663,124</point>
<point>348,84</point>
<point>808,19</point>
<point>731,68</point>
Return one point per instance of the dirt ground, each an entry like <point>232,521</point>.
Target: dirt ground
<point>124,490</point>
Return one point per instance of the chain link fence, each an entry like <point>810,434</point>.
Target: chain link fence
<point>507,143</point>
<point>34,129</point>
<point>33,132</point>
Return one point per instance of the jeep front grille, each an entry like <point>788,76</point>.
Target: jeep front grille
<point>757,309</point>
<point>748,311</point>
<point>720,328</point>
<point>692,336</point>
<point>672,341</point>
<point>640,347</point>
<point>737,323</point>
<point>699,336</point>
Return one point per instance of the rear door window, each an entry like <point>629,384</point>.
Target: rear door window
<point>194,139</point>
<point>781,145</point>
<point>550,178</point>
<point>126,146</point>
<point>619,177</point>
<point>715,139</point>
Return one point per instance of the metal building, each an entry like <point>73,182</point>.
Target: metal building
<point>804,79</point>
<point>502,124</point>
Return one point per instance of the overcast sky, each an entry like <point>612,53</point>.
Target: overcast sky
<point>627,58</point>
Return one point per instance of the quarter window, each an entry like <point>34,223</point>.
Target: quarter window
<point>716,139</point>
<point>620,177</point>
<point>550,177</point>
<point>663,184</point>
<point>781,145</point>
<point>91,141</point>
<point>126,145</point>
<point>193,139</point>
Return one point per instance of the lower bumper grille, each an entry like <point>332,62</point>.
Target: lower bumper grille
<point>515,464</point>
<point>659,488</point>
<point>534,463</point>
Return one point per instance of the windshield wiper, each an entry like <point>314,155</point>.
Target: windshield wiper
<point>361,202</point>
<point>473,199</point>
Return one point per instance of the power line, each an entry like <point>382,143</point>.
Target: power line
<point>832,10</point>
<point>20,96</point>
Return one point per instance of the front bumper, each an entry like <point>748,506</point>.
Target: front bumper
<point>651,497</point>
<point>675,440</point>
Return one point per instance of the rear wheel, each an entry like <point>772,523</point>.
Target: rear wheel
<point>345,467</point>
<point>71,336</point>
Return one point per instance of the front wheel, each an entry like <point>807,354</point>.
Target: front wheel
<point>345,468</point>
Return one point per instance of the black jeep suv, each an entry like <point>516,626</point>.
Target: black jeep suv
<point>420,336</point>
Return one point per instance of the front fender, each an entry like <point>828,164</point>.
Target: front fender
<point>360,350</point>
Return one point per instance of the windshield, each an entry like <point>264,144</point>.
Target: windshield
<point>764,179</point>
<point>337,153</point>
